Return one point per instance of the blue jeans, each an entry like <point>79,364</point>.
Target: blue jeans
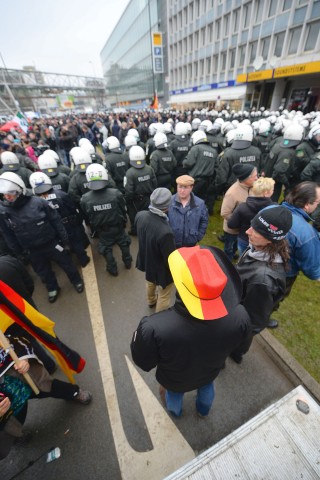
<point>230,245</point>
<point>242,246</point>
<point>204,400</point>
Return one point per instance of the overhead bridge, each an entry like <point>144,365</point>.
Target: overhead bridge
<point>41,91</point>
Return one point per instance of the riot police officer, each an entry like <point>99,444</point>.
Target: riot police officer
<point>32,227</point>
<point>139,183</point>
<point>59,180</point>
<point>11,163</point>
<point>201,164</point>
<point>106,209</point>
<point>72,221</point>
<point>241,151</point>
<point>162,161</point>
<point>116,162</point>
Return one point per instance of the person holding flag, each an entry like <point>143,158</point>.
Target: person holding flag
<point>14,389</point>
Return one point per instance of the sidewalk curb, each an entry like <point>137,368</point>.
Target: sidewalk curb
<point>288,364</point>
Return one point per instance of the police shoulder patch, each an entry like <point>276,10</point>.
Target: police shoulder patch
<point>300,153</point>
<point>286,160</point>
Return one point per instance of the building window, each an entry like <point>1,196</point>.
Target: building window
<point>235,23</point>
<point>191,11</point>
<point>195,69</point>
<point>180,48</point>
<point>190,43</point>
<point>287,5</point>
<point>190,70</point>
<point>196,40</point>
<point>218,29</point>
<point>201,68</point>
<point>215,63</point>
<point>226,25</point>
<point>203,36</point>
<point>295,35</point>
<point>175,26</point>
<point>279,41</point>
<point>185,46</point>
<point>312,36</point>
<point>253,51</point>
<point>246,15</point>
<point>272,8</point>
<point>180,20</point>
<point>185,15</point>
<point>223,61</point>
<point>204,6</point>
<point>242,54</point>
<point>232,57</point>
<point>197,5</point>
<point>175,51</point>
<point>185,73</point>
<point>210,33</point>
<point>208,61</point>
<point>259,10</point>
<point>265,44</point>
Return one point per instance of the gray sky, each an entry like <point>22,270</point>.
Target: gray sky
<point>60,36</point>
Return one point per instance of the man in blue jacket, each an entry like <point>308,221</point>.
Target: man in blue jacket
<point>303,238</point>
<point>188,214</point>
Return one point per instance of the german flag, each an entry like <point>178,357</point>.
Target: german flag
<point>155,102</point>
<point>14,309</point>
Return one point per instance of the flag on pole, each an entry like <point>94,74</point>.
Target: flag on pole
<point>22,121</point>
<point>15,309</point>
<point>155,102</point>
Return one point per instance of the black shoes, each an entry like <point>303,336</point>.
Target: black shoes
<point>53,295</point>
<point>236,357</point>
<point>85,263</point>
<point>221,238</point>
<point>79,287</point>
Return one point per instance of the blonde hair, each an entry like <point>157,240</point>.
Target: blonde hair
<point>262,185</point>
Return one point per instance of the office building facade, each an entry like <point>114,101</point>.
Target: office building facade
<point>127,59</point>
<point>236,53</point>
<point>244,53</point>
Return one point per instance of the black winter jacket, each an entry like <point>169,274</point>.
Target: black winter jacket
<point>29,223</point>
<point>244,213</point>
<point>156,242</point>
<point>188,353</point>
<point>263,287</point>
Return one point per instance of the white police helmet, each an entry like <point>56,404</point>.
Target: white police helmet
<point>11,183</point>
<point>40,183</point>
<point>137,157</point>
<point>97,176</point>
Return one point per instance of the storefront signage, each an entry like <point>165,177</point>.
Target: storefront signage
<point>290,70</point>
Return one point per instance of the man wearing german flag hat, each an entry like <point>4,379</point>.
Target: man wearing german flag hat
<point>190,342</point>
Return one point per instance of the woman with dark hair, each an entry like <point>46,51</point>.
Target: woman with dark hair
<point>262,268</point>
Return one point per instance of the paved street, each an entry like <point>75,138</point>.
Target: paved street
<point>125,432</point>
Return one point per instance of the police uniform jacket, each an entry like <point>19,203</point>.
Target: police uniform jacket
<point>163,162</point>
<point>30,222</point>
<point>225,177</point>
<point>139,181</point>
<point>312,171</point>
<point>180,147</point>
<point>105,208</point>
<point>117,164</point>
<point>201,161</point>
<point>305,151</point>
<point>60,182</point>
<point>188,353</point>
